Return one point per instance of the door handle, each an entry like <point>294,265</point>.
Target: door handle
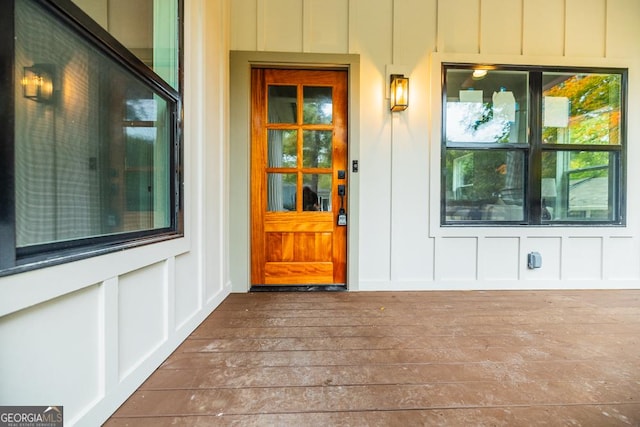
<point>342,214</point>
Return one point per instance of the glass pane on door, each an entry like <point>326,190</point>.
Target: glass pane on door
<point>282,104</point>
<point>318,105</point>
<point>316,192</point>
<point>317,148</point>
<point>282,148</point>
<point>281,192</point>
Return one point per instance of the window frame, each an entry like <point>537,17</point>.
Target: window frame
<point>533,149</point>
<point>16,260</point>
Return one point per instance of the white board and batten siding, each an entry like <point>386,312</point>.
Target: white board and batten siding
<point>400,244</point>
<point>86,334</point>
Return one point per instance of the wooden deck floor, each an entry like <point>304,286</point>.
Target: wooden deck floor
<point>518,358</point>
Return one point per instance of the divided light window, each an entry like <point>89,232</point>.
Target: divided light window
<point>532,145</point>
<point>91,152</point>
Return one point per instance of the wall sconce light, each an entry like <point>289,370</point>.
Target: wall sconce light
<point>399,92</point>
<point>37,83</point>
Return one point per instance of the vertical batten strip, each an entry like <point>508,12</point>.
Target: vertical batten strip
<point>563,256</point>
<point>521,257</point>
<point>170,297</point>
<point>478,241</point>
<point>260,25</point>
<point>437,12</point>
<point>522,27</point>
<point>307,26</point>
<point>479,33</point>
<point>481,248</point>
<point>439,44</point>
<point>109,353</point>
<point>564,43</point>
<point>603,260</point>
<point>352,27</point>
<point>349,29</point>
<point>606,28</point>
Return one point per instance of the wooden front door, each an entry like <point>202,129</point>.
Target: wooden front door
<point>298,177</point>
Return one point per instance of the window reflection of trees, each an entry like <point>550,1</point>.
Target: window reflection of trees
<point>475,122</point>
<point>483,168</point>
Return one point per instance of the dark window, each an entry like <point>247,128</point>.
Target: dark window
<point>93,136</point>
<point>532,146</point>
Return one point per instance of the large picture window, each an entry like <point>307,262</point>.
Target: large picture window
<point>532,145</point>
<point>93,140</point>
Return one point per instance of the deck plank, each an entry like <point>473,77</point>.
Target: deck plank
<point>403,358</point>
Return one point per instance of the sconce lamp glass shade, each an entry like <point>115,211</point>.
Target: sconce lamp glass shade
<point>399,92</point>
<point>37,84</point>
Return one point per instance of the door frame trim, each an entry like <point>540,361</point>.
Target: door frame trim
<point>238,166</point>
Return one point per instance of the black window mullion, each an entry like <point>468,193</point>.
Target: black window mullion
<point>443,144</point>
<point>533,196</point>
<point>175,179</point>
<point>7,123</point>
<point>621,177</point>
<point>614,187</point>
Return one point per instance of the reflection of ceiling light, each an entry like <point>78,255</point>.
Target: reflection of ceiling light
<point>479,74</point>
